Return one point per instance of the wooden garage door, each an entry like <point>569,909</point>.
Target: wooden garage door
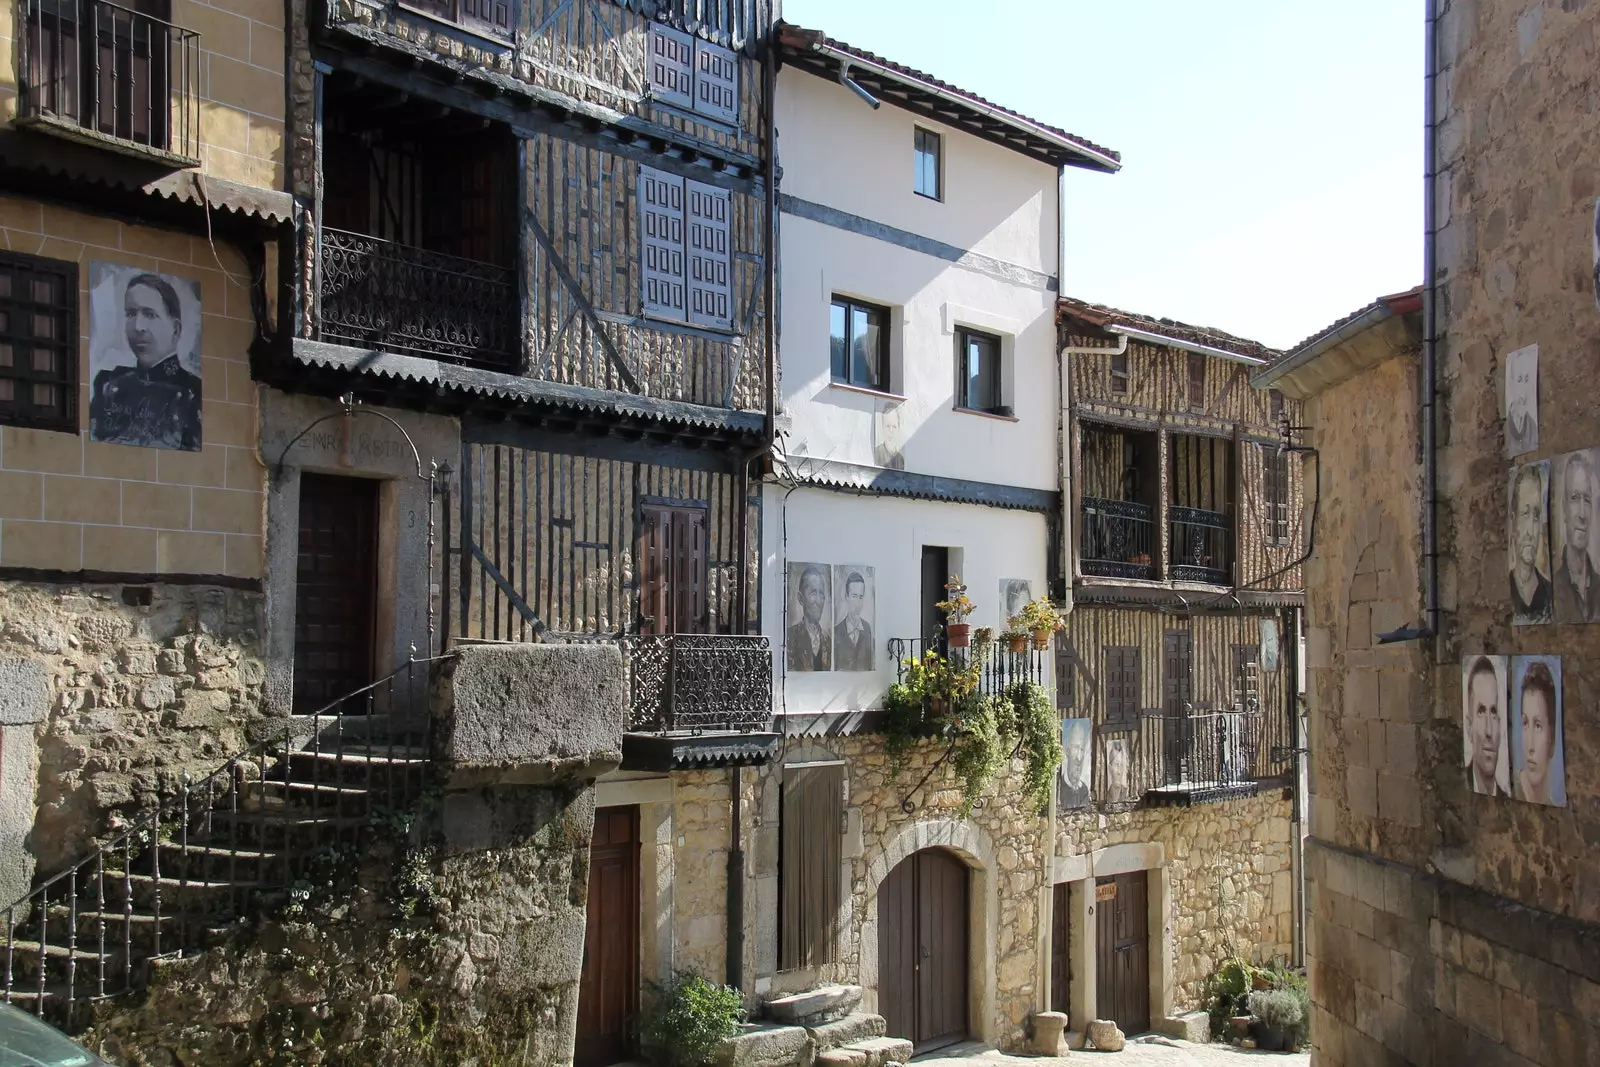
<point>608,994</point>
<point>336,585</point>
<point>1122,951</point>
<point>923,960</point>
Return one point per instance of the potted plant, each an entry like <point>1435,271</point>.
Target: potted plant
<point>1016,640</point>
<point>1040,619</point>
<point>956,610</point>
<point>1278,1015</point>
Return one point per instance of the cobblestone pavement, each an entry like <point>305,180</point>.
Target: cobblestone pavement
<point>1148,1051</point>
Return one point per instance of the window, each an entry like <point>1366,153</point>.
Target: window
<point>493,18</point>
<point>694,74</point>
<point>1246,677</point>
<point>1275,404</point>
<point>860,343</point>
<point>1275,493</point>
<point>1122,685</point>
<point>928,165</point>
<point>1119,374</point>
<point>687,258</point>
<point>38,342</point>
<point>979,389</point>
<point>1197,381</point>
<point>810,863</point>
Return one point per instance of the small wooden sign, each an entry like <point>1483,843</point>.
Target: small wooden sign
<point>1106,892</point>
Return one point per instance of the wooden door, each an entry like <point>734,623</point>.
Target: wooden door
<point>923,959</point>
<point>673,554</point>
<point>1122,952</point>
<point>1060,948</point>
<point>1177,696</point>
<point>608,993</point>
<point>336,584</point>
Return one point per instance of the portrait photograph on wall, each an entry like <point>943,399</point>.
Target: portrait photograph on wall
<point>144,358</point>
<point>1596,231</point>
<point>1075,775</point>
<point>1538,758</point>
<point>1572,524</point>
<point>1117,764</point>
<point>853,613</point>
<point>810,636</point>
<point>1522,401</point>
<point>1485,739</point>
<point>1014,596</point>
<point>1532,593</point>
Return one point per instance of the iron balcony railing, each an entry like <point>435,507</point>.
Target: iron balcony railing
<point>208,853</point>
<point>1198,755</point>
<point>111,73</point>
<point>700,683</point>
<point>1201,543</point>
<point>1117,538</point>
<point>999,668</point>
<point>382,294</point>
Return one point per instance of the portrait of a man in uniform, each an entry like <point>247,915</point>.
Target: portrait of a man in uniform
<point>144,339</point>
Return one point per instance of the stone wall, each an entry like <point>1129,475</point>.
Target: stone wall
<point>139,684</point>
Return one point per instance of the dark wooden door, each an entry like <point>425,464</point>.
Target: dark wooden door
<point>336,584</point>
<point>1060,948</point>
<point>1122,952</point>
<point>1177,696</point>
<point>673,554</point>
<point>922,950</point>
<point>935,572</point>
<point>608,993</point>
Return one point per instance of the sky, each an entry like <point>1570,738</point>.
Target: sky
<point>1271,149</point>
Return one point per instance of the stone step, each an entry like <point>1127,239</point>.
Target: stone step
<point>858,1026</point>
<point>814,1006</point>
<point>873,1052</point>
<point>765,1045</point>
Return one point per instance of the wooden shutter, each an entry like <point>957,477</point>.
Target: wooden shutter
<point>673,570</point>
<point>1197,381</point>
<point>716,82</point>
<point>710,286</point>
<point>654,529</point>
<point>661,209</point>
<point>1177,670</point>
<point>689,571</point>
<point>809,829</point>
<point>1275,491</point>
<point>1122,685</point>
<point>672,66</point>
<point>490,16</point>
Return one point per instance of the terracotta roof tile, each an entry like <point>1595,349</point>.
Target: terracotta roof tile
<point>1101,315</point>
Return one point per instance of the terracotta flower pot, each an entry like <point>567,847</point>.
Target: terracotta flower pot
<point>1019,642</point>
<point>1041,639</point>
<point>960,634</point>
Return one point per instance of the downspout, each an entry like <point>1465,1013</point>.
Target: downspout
<point>769,296</point>
<point>1430,341</point>
<point>735,963</point>
<point>1289,641</point>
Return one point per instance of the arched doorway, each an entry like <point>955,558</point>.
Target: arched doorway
<point>923,958</point>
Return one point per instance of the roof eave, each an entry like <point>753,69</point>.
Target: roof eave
<point>1188,346</point>
<point>1389,327</point>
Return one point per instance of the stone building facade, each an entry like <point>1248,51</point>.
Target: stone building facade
<point>1453,918</point>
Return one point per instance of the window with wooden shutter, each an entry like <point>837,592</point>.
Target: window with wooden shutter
<point>716,82</point>
<point>672,66</point>
<point>1122,685</point>
<point>674,569</point>
<point>1275,493</point>
<point>710,287</point>
<point>809,831</point>
<point>1119,373</point>
<point>662,230</point>
<point>492,17</point>
<point>1197,381</point>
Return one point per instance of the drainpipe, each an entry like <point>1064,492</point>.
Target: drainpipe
<point>1430,342</point>
<point>735,962</point>
<point>1289,642</point>
<point>769,296</point>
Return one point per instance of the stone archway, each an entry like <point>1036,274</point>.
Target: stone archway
<point>968,842</point>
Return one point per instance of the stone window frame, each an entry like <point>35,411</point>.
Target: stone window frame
<point>19,315</point>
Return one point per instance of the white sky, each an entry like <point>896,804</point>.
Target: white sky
<point>1272,149</point>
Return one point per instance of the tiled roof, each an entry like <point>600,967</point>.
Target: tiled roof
<point>1100,315</point>
<point>1396,302</point>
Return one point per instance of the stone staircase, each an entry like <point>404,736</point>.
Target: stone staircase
<point>818,1028</point>
<point>238,843</point>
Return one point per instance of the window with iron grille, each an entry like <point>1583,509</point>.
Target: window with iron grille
<point>929,160</point>
<point>979,388</point>
<point>1197,381</point>
<point>1119,374</point>
<point>859,343</point>
<point>38,342</point>
<point>1122,684</point>
<point>693,74</point>
<point>1275,493</point>
<point>688,268</point>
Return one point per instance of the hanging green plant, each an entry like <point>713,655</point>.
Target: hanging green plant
<point>977,752</point>
<point>1038,739</point>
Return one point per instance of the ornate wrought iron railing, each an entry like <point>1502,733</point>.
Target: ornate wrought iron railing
<point>1199,755</point>
<point>209,853</point>
<point>1117,538</point>
<point>382,294</point>
<point>701,683</point>
<point>1201,546</point>
<point>999,667</point>
<point>116,74</point>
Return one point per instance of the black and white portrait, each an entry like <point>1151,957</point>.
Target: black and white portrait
<point>144,358</point>
<point>1528,542</point>
<point>1538,757</point>
<point>810,637</point>
<point>853,613</point>
<point>1483,725</point>
<point>1597,252</point>
<point>1075,774</point>
<point>1116,764</point>
<point>1572,524</point>
<point>1014,596</point>
<point>1269,645</point>
<point>1522,401</point>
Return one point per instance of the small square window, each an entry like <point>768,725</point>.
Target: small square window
<point>980,385</point>
<point>38,342</point>
<point>929,158</point>
<point>860,343</point>
<point>1197,381</point>
<point>1119,374</point>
